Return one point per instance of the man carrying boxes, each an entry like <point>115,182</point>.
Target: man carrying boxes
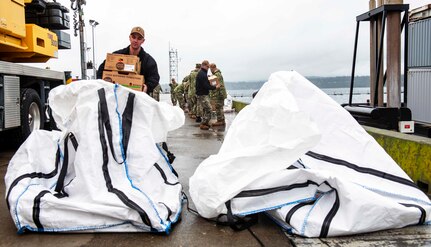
<point>131,66</point>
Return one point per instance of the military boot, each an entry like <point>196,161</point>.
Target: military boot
<point>204,127</point>
<point>219,123</point>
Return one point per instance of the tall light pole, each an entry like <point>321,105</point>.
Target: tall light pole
<point>78,25</point>
<point>93,24</point>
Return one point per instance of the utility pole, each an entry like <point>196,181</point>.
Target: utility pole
<point>93,24</point>
<point>173,63</point>
<point>78,25</point>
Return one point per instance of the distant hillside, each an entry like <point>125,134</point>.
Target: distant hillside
<point>319,81</point>
<point>339,81</point>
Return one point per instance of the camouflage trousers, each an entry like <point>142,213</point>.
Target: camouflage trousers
<point>181,100</point>
<point>156,93</point>
<point>173,99</point>
<point>192,105</point>
<point>217,106</point>
<point>203,101</point>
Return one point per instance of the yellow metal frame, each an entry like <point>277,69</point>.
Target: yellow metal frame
<point>20,42</point>
<point>12,18</point>
<point>39,45</point>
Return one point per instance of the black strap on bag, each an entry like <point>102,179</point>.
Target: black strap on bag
<point>422,211</point>
<point>218,221</point>
<point>162,173</point>
<point>59,188</point>
<point>52,123</point>
<point>34,175</point>
<point>364,170</point>
<point>171,156</point>
<point>289,214</point>
<point>36,209</point>
<point>127,120</point>
<point>103,125</point>
<point>126,124</point>
<point>331,214</point>
<point>237,223</point>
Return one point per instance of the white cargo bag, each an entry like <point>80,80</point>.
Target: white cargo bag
<point>103,171</point>
<point>298,156</point>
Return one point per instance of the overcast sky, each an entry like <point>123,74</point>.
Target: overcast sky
<point>247,39</point>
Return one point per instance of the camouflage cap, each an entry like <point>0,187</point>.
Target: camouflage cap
<point>198,65</point>
<point>138,30</point>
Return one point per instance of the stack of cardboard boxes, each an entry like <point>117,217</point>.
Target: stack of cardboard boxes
<point>124,70</point>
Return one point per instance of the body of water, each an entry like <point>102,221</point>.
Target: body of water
<point>340,95</point>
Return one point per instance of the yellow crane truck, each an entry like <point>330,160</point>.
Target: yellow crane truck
<point>30,32</point>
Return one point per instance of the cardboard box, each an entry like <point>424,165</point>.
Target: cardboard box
<point>213,80</point>
<point>132,81</point>
<point>121,62</point>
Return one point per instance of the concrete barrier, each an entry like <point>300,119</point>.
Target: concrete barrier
<point>238,105</point>
<point>412,153</point>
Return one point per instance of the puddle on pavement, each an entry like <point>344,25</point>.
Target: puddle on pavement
<point>212,133</point>
<point>205,135</point>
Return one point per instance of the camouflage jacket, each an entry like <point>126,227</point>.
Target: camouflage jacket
<point>186,82</point>
<point>186,78</point>
<point>179,89</point>
<point>192,86</point>
<point>186,87</point>
<point>219,93</point>
<point>173,86</point>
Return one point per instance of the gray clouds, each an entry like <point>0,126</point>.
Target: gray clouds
<point>248,40</point>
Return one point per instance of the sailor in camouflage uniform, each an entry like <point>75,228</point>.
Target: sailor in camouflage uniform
<point>203,87</point>
<point>186,82</point>
<point>218,95</point>
<point>173,85</point>
<point>192,92</point>
<point>179,95</point>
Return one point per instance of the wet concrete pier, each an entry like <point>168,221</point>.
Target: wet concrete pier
<point>191,146</point>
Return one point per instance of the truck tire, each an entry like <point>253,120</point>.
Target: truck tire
<point>32,117</point>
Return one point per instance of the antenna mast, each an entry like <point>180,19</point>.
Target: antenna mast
<point>173,63</point>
